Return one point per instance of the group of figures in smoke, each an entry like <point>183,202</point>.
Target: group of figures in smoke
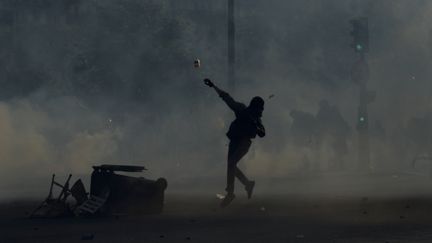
<point>324,139</point>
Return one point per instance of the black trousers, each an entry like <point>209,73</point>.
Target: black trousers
<point>237,149</point>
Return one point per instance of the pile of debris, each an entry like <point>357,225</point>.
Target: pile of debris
<point>110,193</point>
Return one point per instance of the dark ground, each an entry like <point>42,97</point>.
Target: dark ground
<point>292,217</point>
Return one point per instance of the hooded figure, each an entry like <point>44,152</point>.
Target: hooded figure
<point>244,128</point>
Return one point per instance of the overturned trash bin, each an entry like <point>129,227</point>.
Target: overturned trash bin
<point>112,193</point>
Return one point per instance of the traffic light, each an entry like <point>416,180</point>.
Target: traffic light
<point>360,33</point>
<point>362,119</point>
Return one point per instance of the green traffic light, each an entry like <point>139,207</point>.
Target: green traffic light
<point>362,119</point>
<point>359,47</point>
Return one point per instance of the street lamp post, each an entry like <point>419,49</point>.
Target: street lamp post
<point>231,46</point>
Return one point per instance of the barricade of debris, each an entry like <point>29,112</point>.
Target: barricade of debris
<point>110,193</point>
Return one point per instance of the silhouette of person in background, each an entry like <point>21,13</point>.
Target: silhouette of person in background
<point>244,128</point>
<point>334,130</point>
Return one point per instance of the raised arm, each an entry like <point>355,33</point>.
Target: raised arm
<point>234,105</point>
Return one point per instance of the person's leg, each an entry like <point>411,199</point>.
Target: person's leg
<point>249,185</point>
<point>242,178</point>
<point>241,151</point>
<point>230,174</point>
<point>237,149</point>
<point>231,165</point>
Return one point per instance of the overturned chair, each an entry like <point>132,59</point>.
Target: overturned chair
<point>59,206</point>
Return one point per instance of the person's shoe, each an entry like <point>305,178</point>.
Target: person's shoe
<point>249,188</point>
<point>227,200</point>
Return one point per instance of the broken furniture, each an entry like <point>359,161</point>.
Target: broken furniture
<point>127,194</point>
<point>57,207</point>
<point>110,193</point>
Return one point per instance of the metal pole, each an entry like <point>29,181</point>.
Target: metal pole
<point>360,76</point>
<point>231,46</point>
<point>364,162</point>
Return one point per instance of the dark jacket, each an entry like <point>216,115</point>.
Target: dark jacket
<point>245,126</point>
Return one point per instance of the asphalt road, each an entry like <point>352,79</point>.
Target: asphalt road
<point>288,217</point>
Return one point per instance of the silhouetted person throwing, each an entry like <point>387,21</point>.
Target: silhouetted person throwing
<point>245,127</point>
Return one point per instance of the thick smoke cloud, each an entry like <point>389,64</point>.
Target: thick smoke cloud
<point>113,82</point>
